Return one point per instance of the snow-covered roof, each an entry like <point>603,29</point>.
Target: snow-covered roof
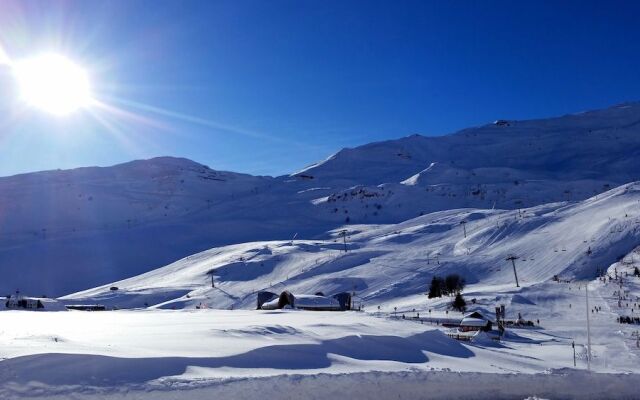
<point>475,318</point>
<point>473,322</point>
<point>313,301</point>
<point>271,305</point>
<point>476,314</point>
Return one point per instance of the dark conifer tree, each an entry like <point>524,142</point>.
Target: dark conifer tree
<point>459,303</point>
<point>453,283</point>
<point>435,289</point>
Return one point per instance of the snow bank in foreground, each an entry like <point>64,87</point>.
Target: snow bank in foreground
<point>562,384</point>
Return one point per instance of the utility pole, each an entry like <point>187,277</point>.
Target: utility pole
<point>573,344</point>
<point>353,298</point>
<point>586,291</point>
<point>344,238</point>
<point>464,227</point>
<point>212,284</point>
<point>513,259</point>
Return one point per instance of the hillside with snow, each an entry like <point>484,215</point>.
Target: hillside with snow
<point>393,264</point>
<point>64,231</point>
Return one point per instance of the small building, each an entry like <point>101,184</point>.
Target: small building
<point>19,302</point>
<point>24,303</point>
<point>475,321</point>
<point>263,298</point>
<point>312,302</point>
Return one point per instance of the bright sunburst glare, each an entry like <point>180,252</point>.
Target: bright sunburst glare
<point>52,83</point>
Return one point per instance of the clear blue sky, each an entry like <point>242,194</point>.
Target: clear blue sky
<point>267,87</point>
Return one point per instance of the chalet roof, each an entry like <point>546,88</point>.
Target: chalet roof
<point>270,305</point>
<point>314,301</point>
<point>476,314</point>
<point>475,318</point>
<point>467,321</point>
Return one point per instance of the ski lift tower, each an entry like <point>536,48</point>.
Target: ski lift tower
<point>344,238</point>
<point>513,259</point>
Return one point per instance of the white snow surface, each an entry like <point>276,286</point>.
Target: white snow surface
<point>197,353</point>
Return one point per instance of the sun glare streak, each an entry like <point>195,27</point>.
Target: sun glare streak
<point>196,120</point>
<point>126,115</point>
<point>124,140</point>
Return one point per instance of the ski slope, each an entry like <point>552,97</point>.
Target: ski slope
<point>387,264</point>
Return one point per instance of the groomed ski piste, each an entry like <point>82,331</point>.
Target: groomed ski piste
<point>173,335</point>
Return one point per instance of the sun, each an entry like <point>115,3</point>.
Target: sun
<point>52,83</point>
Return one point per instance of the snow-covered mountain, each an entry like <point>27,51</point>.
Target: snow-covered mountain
<point>593,145</point>
<point>63,231</point>
<point>506,164</point>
